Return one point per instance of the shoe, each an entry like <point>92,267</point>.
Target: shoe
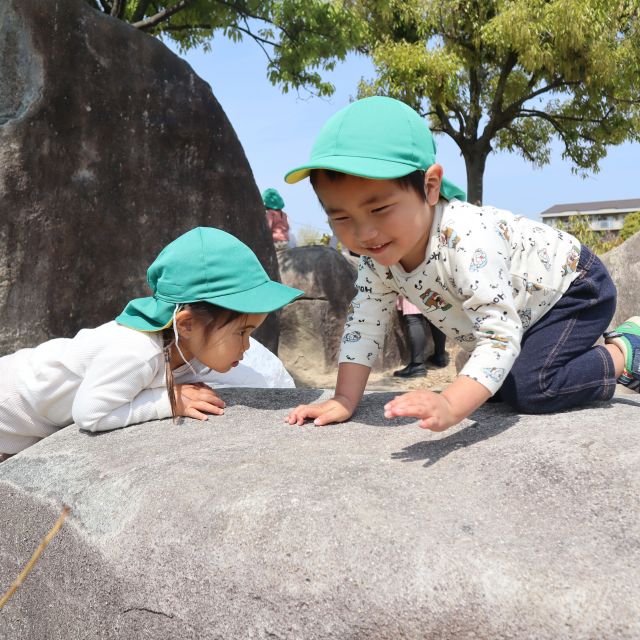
<point>627,338</point>
<point>412,370</point>
<point>439,360</point>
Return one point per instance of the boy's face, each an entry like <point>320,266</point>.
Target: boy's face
<point>379,218</point>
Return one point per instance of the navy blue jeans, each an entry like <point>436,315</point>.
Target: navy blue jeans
<point>559,367</point>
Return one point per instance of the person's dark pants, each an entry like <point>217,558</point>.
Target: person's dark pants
<point>416,329</point>
<point>559,367</point>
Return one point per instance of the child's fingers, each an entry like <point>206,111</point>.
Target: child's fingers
<point>215,400</point>
<point>192,412</point>
<point>207,394</point>
<point>302,412</point>
<point>327,418</point>
<point>433,424</point>
<point>203,407</point>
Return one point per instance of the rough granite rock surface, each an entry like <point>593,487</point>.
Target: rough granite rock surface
<point>311,327</point>
<point>110,147</point>
<point>509,526</point>
<point>622,263</point>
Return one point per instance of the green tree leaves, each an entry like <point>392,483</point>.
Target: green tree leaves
<point>491,74</point>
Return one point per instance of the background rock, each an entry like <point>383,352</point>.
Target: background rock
<point>110,147</point>
<point>623,263</point>
<point>243,527</point>
<point>311,328</point>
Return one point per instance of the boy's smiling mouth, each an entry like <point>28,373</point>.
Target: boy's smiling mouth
<point>377,248</point>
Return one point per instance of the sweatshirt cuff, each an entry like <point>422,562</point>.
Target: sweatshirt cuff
<point>490,376</point>
<point>161,402</point>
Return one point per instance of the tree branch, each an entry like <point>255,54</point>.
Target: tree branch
<point>140,10</point>
<point>459,116</point>
<point>520,144</point>
<point>446,123</point>
<point>496,104</point>
<point>117,9</point>
<point>474,101</point>
<point>161,16</point>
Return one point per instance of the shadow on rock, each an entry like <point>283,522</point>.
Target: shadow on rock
<point>370,411</point>
<point>270,399</point>
<point>485,425</point>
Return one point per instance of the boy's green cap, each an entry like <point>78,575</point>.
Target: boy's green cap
<point>205,265</point>
<point>272,199</point>
<point>378,138</point>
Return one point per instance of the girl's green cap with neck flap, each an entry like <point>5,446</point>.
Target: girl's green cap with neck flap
<point>377,138</point>
<point>205,265</point>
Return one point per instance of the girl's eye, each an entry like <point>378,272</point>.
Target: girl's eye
<point>341,219</point>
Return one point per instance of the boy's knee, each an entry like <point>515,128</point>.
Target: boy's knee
<point>527,398</point>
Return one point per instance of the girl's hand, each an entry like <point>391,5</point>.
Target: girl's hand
<point>433,409</point>
<point>196,400</point>
<point>334,410</point>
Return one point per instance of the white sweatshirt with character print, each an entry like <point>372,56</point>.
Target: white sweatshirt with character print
<point>488,275</point>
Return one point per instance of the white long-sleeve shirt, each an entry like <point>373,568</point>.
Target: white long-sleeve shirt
<point>106,378</point>
<point>487,276</point>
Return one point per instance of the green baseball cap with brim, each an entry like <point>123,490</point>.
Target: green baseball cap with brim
<point>205,265</point>
<point>377,138</point>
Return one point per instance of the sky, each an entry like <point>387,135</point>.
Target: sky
<point>277,132</point>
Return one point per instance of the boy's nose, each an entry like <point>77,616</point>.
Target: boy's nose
<point>366,233</point>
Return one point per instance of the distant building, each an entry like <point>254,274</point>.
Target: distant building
<point>606,216</point>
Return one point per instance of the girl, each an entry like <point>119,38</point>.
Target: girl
<point>209,293</point>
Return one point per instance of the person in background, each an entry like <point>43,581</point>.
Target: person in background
<point>277,220</point>
<point>416,326</point>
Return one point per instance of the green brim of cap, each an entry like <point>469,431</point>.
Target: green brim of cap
<point>151,314</point>
<point>370,168</point>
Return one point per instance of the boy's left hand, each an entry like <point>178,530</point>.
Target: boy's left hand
<point>433,409</point>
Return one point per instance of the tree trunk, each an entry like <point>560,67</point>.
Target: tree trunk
<point>475,160</point>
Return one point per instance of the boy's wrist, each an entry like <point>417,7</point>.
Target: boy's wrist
<point>346,402</point>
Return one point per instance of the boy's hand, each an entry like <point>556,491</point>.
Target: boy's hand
<point>433,409</point>
<point>334,410</point>
<point>196,400</point>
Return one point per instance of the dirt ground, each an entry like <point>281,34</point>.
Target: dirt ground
<point>435,380</point>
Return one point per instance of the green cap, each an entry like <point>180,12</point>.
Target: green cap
<point>205,265</point>
<point>272,199</point>
<point>378,138</point>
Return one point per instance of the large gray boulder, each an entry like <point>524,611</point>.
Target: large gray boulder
<point>623,263</point>
<point>311,328</point>
<point>110,147</point>
<point>244,527</point>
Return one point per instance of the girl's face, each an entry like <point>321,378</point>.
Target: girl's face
<point>380,218</point>
<point>220,350</point>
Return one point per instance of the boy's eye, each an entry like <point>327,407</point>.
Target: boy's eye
<point>381,209</point>
<point>339,219</point>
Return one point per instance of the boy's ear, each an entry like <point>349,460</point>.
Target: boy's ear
<point>432,182</point>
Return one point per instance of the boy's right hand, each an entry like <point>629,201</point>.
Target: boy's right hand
<point>196,400</point>
<point>334,410</point>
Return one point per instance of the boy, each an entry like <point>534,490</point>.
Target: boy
<point>526,300</point>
